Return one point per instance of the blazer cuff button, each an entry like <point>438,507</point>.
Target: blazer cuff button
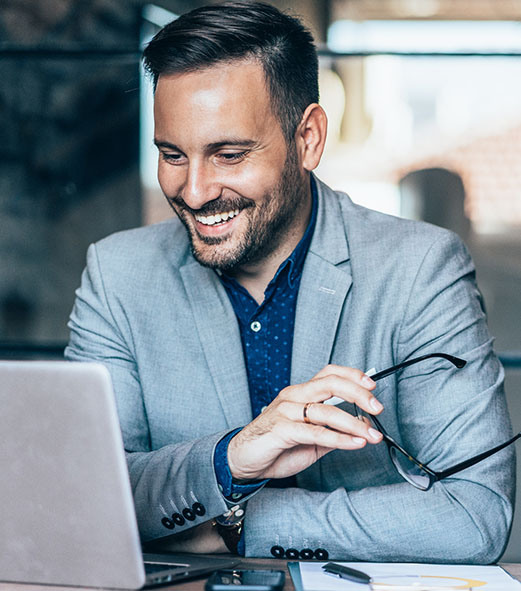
<point>277,551</point>
<point>198,509</point>
<point>178,519</point>
<point>168,523</point>
<point>189,514</point>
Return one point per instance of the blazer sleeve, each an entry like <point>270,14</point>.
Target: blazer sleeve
<point>175,486</point>
<point>444,418</point>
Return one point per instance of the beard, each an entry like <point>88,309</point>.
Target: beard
<point>269,222</point>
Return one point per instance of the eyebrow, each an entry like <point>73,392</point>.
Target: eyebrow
<point>238,142</point>
<point>164,144</point>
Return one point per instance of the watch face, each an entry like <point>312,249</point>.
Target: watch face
<point>233,516</point>
<point>227,522</point>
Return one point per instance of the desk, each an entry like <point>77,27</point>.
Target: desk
<point>198,584</point>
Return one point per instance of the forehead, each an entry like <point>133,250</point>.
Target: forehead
<point>231,95</point>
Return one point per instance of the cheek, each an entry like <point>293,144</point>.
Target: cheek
<point>169,177</point>
<point>254,181</point>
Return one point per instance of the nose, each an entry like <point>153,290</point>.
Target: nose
<point>201,185</point>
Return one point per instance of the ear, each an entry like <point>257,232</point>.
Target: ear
<point>311,136</point>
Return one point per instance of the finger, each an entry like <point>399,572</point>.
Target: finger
<point>350,373</point>
<point>323,415</point>
<point>341,421</point>
<point>354,375</point>
<point>289,413</point>
<point>320,436</point>
<point>323,388</point>
<point>328,416</point>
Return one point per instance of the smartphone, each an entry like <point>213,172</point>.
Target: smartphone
<point>246,580</point>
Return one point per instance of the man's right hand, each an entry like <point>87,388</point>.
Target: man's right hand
<point>280,442</point>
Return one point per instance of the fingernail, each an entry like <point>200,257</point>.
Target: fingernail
<point>368,382</point>
<point>376,405</point>
<point>358,440</point>
<point>374,434</point>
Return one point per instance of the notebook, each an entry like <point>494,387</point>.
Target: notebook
<point>66,509</point>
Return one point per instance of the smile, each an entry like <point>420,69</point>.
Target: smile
<point>218,218</point>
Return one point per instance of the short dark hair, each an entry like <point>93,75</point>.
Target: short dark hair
<point>240,30</point>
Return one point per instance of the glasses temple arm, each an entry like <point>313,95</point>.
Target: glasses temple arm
<point>475,459</point>
<point>459,363</point>
<point>456,361</point>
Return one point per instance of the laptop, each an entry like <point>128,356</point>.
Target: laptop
<point>66,509</point>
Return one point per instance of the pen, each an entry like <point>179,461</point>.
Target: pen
<point>344,572</point>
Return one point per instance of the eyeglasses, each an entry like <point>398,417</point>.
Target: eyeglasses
<point>411,469</point>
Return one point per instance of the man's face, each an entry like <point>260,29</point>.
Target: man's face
<point>225,168</point>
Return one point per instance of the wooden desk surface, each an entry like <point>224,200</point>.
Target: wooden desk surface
<point>198,584</point>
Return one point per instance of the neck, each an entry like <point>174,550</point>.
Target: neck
<point>255,276</point>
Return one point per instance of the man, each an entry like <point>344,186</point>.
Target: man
<point>227,329</point>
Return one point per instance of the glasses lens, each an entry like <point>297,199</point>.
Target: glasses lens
<point>409,470</point>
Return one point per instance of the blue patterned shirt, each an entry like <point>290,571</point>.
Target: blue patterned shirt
<point>267,340</point>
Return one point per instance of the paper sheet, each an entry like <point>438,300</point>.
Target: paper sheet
<point>482,578</point>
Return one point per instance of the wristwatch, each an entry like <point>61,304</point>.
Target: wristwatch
<point>229,526</point>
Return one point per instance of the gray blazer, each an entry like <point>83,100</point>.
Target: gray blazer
<point>375,290</point>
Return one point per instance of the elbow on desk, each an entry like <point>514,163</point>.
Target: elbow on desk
<point>485,549</point>
<point>486,534</point>
<point>493,542</point>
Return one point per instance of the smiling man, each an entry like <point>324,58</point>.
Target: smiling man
<point>227,171</point>
<point>238,333</point>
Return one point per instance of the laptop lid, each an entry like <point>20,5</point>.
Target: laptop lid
<point>66,509</point>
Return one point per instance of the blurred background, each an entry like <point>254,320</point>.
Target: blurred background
<point>424,103</point>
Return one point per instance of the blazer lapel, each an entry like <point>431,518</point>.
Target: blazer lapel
<point>326,281</point>
<point>220,338</point>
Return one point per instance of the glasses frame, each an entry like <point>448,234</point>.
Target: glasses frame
<point>432,475</point>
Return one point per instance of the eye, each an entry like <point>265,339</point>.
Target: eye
<point>172,157</point>
<point>232,157</point>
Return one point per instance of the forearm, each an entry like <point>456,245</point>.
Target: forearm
<point>460,521</point>
<point>175,487</point>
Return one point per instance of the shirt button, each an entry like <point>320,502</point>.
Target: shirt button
<point>255,326</point>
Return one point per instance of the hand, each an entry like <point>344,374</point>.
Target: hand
<point>279,443</point>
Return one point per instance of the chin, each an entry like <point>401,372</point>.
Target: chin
<point>215,258</point>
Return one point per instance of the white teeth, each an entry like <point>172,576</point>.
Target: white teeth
<point>210,220</point>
